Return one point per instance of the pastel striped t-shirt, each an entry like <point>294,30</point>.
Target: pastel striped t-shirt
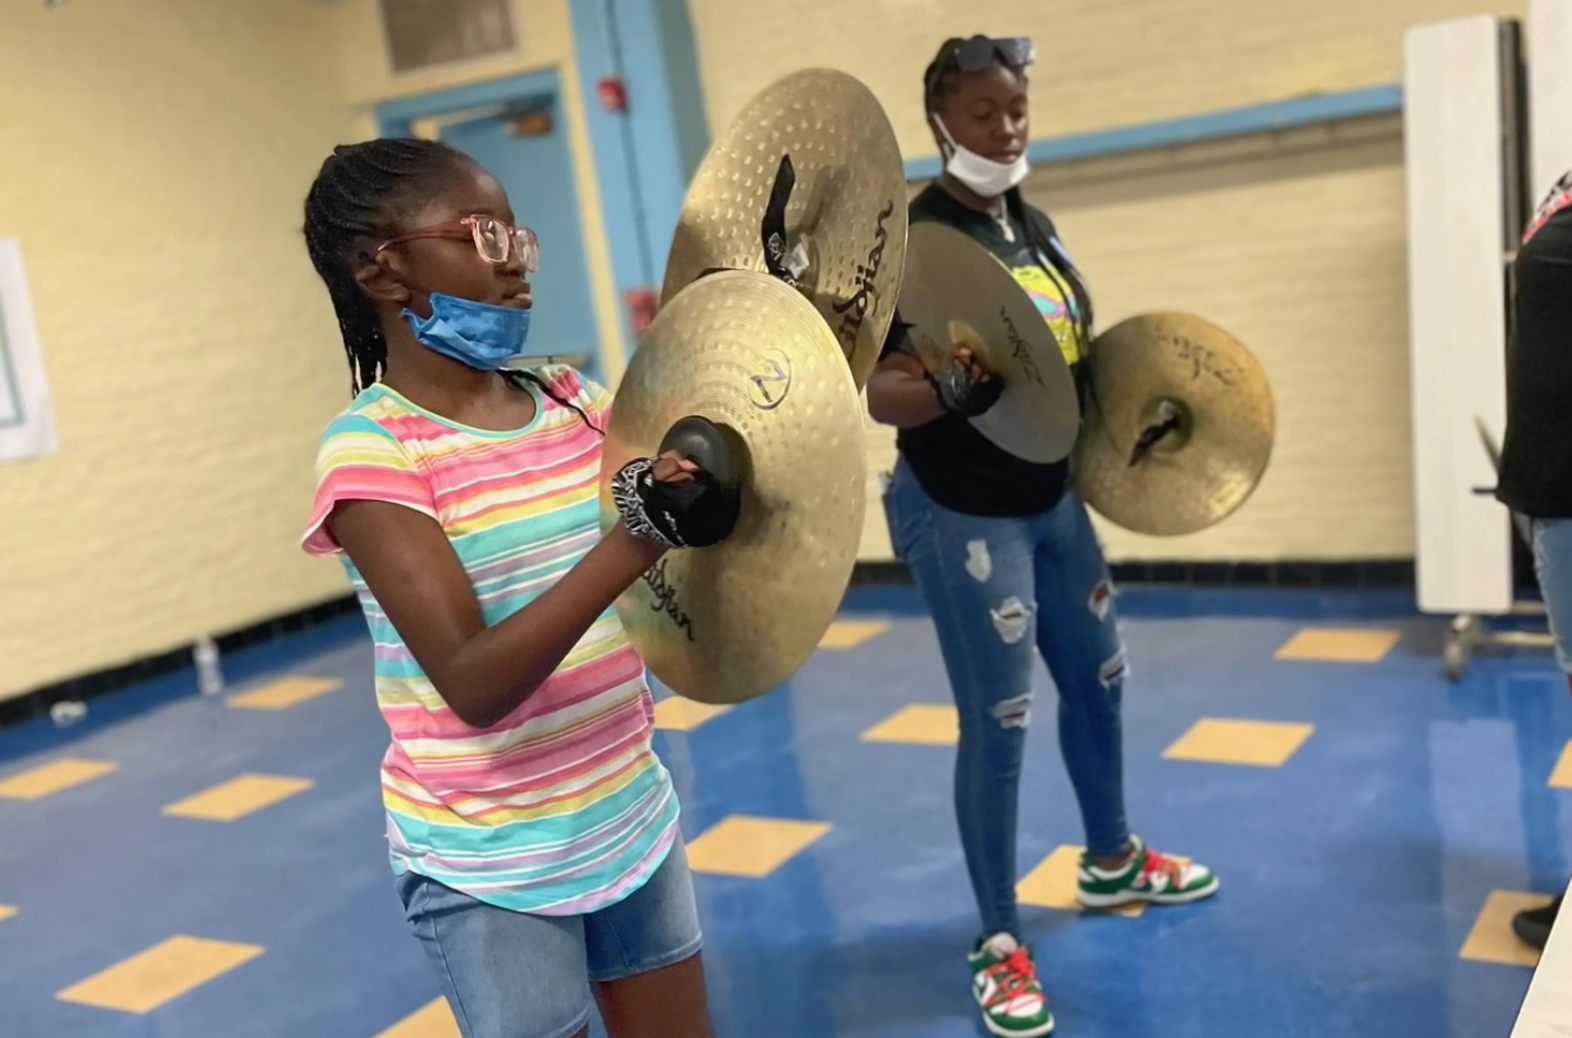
<point>562,807</point>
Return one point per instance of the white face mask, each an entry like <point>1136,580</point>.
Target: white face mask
<point>989,179</point>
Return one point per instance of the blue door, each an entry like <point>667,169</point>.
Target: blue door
<point>523,142</point>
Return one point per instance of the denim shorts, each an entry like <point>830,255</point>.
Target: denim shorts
<point>511,975</point>
<point>1553,567</point>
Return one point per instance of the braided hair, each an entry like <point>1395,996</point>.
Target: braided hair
<point>362,192</point>
<point>938,79</point>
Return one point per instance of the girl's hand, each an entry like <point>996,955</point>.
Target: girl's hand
<point>672,467</point>
<point>975,370</point>
<point>672,502</point>
<point>965,387</point>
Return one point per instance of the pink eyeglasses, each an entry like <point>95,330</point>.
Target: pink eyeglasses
<point>494,239</point>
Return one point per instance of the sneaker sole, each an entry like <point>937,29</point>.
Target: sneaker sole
<point>1130,897</point>
<point>1004,1032</point>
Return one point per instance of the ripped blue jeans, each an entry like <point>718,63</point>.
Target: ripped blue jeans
<point>998,589</point>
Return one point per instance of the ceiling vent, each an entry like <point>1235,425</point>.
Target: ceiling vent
<point>423,34</point>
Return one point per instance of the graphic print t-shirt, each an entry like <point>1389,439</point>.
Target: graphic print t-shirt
<point>562,807</point>
<point>956,465</point>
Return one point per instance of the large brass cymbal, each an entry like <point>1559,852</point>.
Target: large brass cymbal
<point>846,209</point>
<point>744,350</point>
<point>957,293</point>
<point>1199,401</point>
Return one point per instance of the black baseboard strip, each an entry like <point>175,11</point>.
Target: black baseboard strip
<point>1376,574</point>
<point>1373,574</point>
<point>38,702</point>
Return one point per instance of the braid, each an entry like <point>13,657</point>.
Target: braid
<point>561,400</point>
<point>360,194</point>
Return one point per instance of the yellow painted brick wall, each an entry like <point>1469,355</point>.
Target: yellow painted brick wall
<point>1100,63</point>
<point>545,42</point>
<point>156,157</point>
<point>156,184</point>
<point>1296,244</point>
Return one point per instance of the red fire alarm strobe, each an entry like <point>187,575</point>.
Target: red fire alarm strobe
<point>642,304</point>
<point>613,93</point>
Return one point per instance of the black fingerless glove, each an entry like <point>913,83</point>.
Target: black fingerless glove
<point>959,395</point>
<point>694,513</point>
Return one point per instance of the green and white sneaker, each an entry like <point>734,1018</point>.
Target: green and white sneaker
<point>1004,982</point>
<point>1147,876</point>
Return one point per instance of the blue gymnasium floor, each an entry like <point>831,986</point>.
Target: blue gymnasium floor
<point>1355,870</point>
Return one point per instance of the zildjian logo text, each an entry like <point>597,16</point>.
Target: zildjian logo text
<point>855,309</point>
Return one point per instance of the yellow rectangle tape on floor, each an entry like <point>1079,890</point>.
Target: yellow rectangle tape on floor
<point>160,974</point>
<point>54,777</point>
<point>1262,744</point>
<point>433,1020</point>
<point>281,695</point>
<point>752,847</point>
<point>238,797</point>
<point>1492,940</point>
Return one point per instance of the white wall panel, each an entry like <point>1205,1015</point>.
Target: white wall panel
<point>1456,244</point>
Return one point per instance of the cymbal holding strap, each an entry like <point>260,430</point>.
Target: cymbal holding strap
<point>957,293</point>
<point>748,353</point>
<point>812,166</point>
<point>1181,425</point>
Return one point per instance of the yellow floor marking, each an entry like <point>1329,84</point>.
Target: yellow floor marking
<point>677,714</point>
<point>160,974</point>
<point>1561,778</point>
<point>1265,744</point>
<point>281,695</point>
<point>433,1020</point>
<point>1339,645</point>
<point>1052,885</point>
<point>1492,939</point>
<point>848,634</point>
<point>238,797</point>
<point>54,777</point>
<point>921,724</point>
<point>752,847</point>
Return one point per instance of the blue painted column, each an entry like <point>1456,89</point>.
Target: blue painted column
<point>644,156</point>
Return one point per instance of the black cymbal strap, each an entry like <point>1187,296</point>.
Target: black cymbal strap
<point>1148,439</point>
<point>773,227</point>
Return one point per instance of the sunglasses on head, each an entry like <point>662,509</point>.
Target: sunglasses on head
<point>981,53</point>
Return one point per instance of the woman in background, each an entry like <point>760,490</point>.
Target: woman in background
<point>1004,552</point>
<point>1536,453</point>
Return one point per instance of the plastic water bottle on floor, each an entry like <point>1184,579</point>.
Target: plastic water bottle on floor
<point>210,675</point>
<point>67,712</point>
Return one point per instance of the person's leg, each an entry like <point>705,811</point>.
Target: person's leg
<point>644,958</point>
<point>668,1002</point>
<point>1078,635</point>
<point>975,576</point>
<point>1553,567</point>
<point>505,974</point>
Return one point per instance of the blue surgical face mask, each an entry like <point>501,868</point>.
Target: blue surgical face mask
<point>477,334</point>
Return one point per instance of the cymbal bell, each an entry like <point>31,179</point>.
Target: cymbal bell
<point>840,213</point>
<point>731,622</point>
<point>957,293</point>
<point>1180,428</point>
